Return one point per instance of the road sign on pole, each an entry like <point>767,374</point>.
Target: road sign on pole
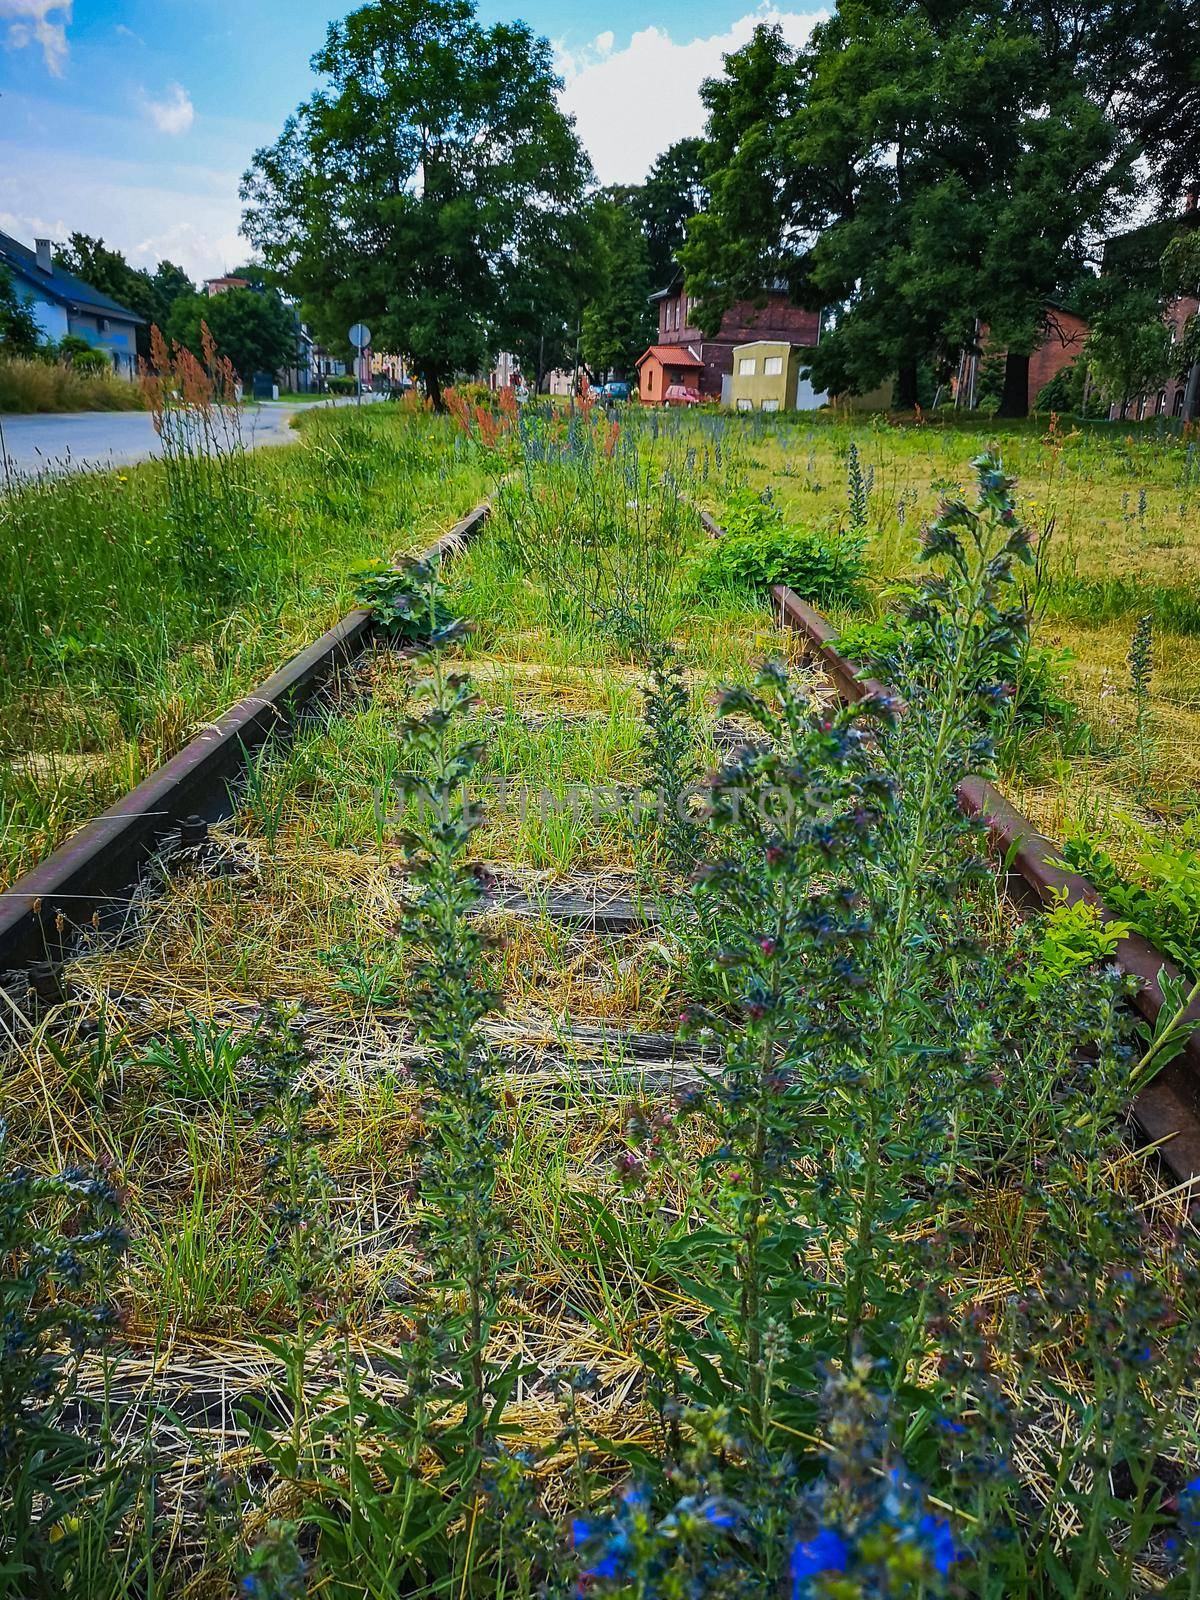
<point>360,338</point>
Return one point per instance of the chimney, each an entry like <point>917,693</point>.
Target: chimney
<point>44,258</point>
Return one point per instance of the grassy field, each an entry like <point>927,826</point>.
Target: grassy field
<point>1115,514</point>
<point>129,620</point>
<point>444,1223</point>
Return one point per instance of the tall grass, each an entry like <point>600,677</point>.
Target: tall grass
<point>29,385</point>
<point>114,648</point>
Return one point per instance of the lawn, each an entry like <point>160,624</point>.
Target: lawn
<point>767,1183</point>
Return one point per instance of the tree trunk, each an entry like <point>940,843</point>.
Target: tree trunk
<point>906,385</point>
<point>1014,402</point>
<point>433,389</point>
<point>1191,395</point>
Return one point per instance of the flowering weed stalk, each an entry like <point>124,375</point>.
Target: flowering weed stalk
<point>796,815</point>
<point>954,686</point>
<point>60,1239</point>
<point>669,753</point>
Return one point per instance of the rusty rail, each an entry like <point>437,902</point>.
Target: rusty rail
<point>93,872</point>
<point>1167,1110</point>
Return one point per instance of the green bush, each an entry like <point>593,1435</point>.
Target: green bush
<point>91,362</point>
<point>1165,906</point>
<point>342,383</point>
<point>761,549</point>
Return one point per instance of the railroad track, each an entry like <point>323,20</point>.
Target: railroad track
<point>86,886</point>
<point>172,907</point>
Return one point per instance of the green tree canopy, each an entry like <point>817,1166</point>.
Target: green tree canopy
<point>922,166</point>
<point>411,189</point>
<point>674,192</point>
<point>252,327</point>
<point>19,331</point>
<point>618,322</point>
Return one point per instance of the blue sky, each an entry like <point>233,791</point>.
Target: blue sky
<point>134,119</point>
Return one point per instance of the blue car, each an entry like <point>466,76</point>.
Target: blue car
<point>613,391</point>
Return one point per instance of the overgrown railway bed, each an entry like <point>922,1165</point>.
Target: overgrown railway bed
<point>124,1019</point>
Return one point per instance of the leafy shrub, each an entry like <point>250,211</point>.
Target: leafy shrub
<point>91,362</point>
<point>406,600</point>
<point>1069,938</point>
<point>341,383</point>
<point>1165,906</point>
<point>761,549</point>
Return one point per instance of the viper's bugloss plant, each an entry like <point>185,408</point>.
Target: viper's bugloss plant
<point>670,761</point>
<point>301,1253</point>
<point>858,489</point>
<point>793,822</point>
<point>61,1237</point>
<point>971,626</point>
<point>462,1229</point>
<point>406,600</point>
<point>1141,671</point>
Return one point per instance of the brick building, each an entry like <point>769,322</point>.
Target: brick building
<point>1063,338</point>
<point>1138,254</point>
<point>777,319</point>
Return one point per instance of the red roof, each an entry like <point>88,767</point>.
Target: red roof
<point>671,355</point>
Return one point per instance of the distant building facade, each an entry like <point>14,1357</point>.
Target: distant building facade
<point>1140,250</point>
<point>778,319</point>
<point>214,286</point>
<point>769,375</point>
<point>63,304</point>
<point>664,366</point>
<point>1064,334</point>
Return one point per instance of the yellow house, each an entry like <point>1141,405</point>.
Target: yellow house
<point>768,376</point>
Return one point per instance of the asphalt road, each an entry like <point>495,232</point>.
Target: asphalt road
<point>69,441</point>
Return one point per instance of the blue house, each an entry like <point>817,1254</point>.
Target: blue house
<point>62,303</point>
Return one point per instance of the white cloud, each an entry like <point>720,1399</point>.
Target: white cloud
<point>630,104</point>
<point>173,114</point>
<point>185,215</point>
<point>34,22</point>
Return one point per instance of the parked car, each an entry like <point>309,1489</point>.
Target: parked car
<point>680,395</point>
<point>613,391</point>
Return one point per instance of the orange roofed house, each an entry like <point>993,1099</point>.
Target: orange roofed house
<point>664,365</point>
<point>709,362</point>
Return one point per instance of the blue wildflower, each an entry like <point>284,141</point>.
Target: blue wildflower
<point>1189,1506</point>
<point>943,1552</point>
<point>250,1584</point>
<point>718,1515</point>
<point>826,1551</point>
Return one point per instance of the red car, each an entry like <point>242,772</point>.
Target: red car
<point>680,395</point>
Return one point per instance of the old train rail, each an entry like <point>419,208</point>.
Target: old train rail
<point>91,876</point>
<point>1166,1110</point>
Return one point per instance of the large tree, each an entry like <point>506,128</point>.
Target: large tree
<point>923,166</point>
<point>618,322</point>
<point>252,327</point>
<point>410,190</point>
<point>674,192</point>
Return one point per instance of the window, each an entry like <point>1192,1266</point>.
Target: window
<point>745,405</point>
<point>770,405</point>
<point>772,366</point>
<point>746,367</point>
